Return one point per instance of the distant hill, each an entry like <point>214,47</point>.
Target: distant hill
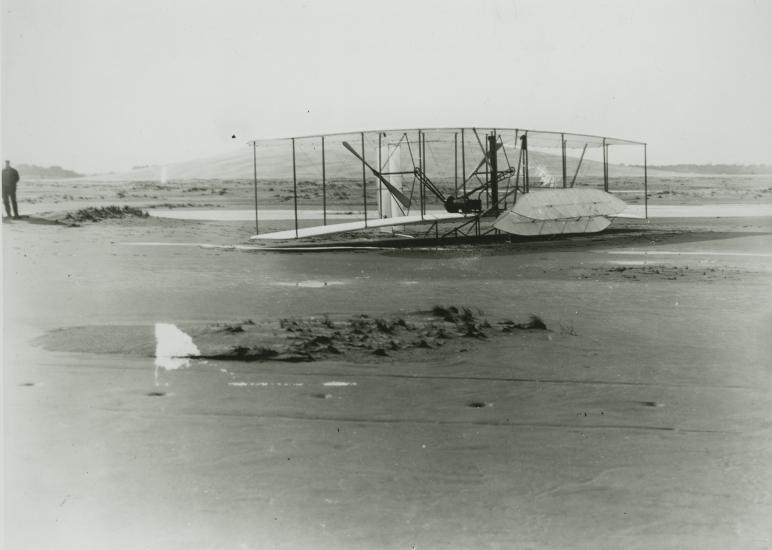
<point>274,162</point>
<point>34,171</point>
<point>724,169</point>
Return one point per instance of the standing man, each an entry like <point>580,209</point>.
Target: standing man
<point>10,179</point>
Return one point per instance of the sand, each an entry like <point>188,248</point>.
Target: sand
<point>640,418</point>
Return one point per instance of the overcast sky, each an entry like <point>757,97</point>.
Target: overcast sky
<point>98,85</point>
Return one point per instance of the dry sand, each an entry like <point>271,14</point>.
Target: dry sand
<point>640,419</point>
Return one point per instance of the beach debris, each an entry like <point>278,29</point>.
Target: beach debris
<point>668,272</point>
<point>97,214</point>
<point>361,336</point>
<point>231,328</point>
<point>467,321</point>
<point>322,395</point>
<point>259,353</point>
<point>534,323</point>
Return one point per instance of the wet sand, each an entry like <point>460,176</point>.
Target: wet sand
<point>639,419</point>
<point>632,211</point>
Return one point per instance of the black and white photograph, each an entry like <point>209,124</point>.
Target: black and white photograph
<point>386,274</point>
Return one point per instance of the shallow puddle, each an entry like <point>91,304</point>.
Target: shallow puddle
<point>159,243</point>
<point>310,284</point>
<point>266,384</point>
<point>628,262</point>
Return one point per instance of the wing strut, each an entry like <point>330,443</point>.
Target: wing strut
<point>398,195</point>
<point>573,180</point>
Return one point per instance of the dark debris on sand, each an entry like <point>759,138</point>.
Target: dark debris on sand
<point>650,272</point>
<point>317,338</point>
<point>534,323</point>
<point>96,214</point>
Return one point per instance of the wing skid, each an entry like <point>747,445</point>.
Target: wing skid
<point>356,226</point>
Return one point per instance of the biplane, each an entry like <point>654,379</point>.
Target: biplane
<point>452,182</point>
